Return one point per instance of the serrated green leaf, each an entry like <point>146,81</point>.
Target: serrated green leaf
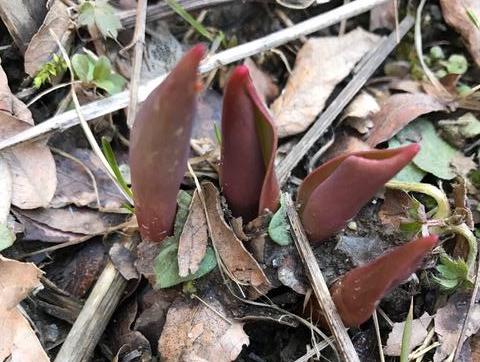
<point>166,265</point>
<point>7,237</point>
<point>435,154</point>
<point>102,14</point>
<point>456,64</point>
<point>279,227</point>
<point>112,85</point>
<point>83,67</point>
<point>102,68</point>
<point>446,284</point>
<point>86,13</point>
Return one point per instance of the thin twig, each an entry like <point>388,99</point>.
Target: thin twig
<point>379,337</point>
<point>51,89</point>
<point>118,101</point>
<point>319,286</point>
<point>139,39</point>
<point>341,101</point>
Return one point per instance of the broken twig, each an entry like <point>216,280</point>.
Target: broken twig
<point>345,346</point>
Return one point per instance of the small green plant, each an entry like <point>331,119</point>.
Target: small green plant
<point>100,13</point>
<point>452,274</point>
<point>407,334</point>
<point>54,67</point>
<point>112,161</point>
<point>97,72</point>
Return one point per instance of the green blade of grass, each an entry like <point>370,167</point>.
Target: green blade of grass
<point>110,156</point>
<point>407,334</point>
<point>189,19</point>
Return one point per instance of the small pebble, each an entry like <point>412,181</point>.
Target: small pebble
<point>352,225</point>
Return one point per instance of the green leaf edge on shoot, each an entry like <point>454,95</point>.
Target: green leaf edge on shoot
<point>473,18</point>
<point>279,227</point>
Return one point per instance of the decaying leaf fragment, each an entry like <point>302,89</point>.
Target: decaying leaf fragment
<point>321,64</point>
<point>238,261</point>
<point>196,332</point>
<point>18,340</point>
<point>192,243</point>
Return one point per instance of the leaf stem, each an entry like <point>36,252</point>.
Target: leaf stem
<point>443,208</point>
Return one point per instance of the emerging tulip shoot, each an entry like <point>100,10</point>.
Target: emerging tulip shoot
<point>249,144</point>
<point>336,191</point>
<point>160,145</point>
<point>358,292</point>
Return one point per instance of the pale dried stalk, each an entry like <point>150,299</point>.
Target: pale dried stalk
<point>118,101</point>
<point>139,41</point>
<point>96,313</point>
<point>345,346</point>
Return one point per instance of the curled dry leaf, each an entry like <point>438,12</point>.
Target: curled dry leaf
<point>75,185</point>
<point>419,332</point>
<point>71,220</point>
<point>358,113</point>
<point>196,332</point>
<point>31,165</point>
<point>314,78</point>
<point>193,239</point>
<point>18,341</point>
<point>455,14</point>
<point>398,111</point>
<point>238,261</point>
<point>123,259</point>
<point>43,45</point>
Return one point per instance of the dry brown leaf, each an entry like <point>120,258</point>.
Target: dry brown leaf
<point>32,166</point>
<point>196,332</point>
<point>262,81</point>
<point>71,220</point>
<point>43,44</point>
<point>123,260</point>
<point>398,111</point>
<point>18,341</point>
<point>75,186</point>
<point>321,64</point>
<point>419,332</point>
<point>5,190</point>
<point>449,321</point>
<point>238,261</point>
<point>383,16</point>
<point>193,239</point>
<point>395,208</point>
<point>454,12</point>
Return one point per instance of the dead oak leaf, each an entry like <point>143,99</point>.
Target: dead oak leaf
<point>314,78</point>
<point>238,261</point>
<point>18,341</point>
<point>398,111</point>
<point>455,14</point>
<point>193,239</point>
<point>197,332</point>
